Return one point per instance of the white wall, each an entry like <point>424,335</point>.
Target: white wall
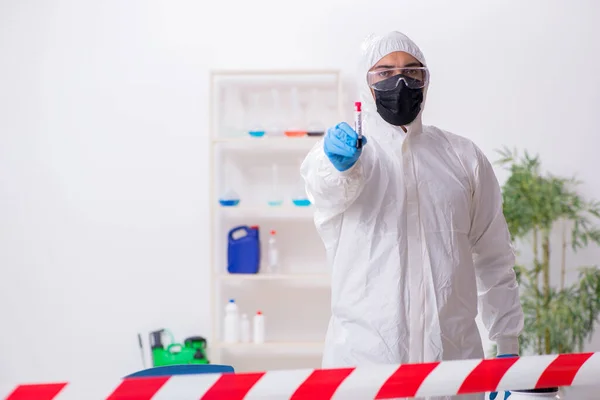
<point>103,141</point>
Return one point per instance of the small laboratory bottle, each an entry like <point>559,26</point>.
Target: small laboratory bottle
<point>231,325</point>
<point>259,328</point>
<point>272,252</point>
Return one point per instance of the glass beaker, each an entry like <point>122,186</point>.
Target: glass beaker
<point>296,121</point>
<point>299,197</point>
<point>233,112</point>
<point>315,115</point>
<point>275,199</point>
<point>276,116</point>
<point>229,198</point>
<point>255,124</point>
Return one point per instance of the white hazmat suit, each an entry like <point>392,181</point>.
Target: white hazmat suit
<point>416,238</point>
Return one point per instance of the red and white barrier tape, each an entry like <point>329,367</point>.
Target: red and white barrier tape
<point>373,382</point>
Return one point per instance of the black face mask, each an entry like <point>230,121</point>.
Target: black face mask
<point>399,106</point>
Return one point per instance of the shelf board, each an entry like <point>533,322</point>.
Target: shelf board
<point>274,277</point>
<point>287,347</point>
<point>286,212</point>
<point>267,139</point>
<point>266,143</point>
<point>277,72</point>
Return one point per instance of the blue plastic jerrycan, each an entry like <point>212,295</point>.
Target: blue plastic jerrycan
<point>243,250</point>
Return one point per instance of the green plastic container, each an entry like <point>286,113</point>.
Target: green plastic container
<point>192,351</point>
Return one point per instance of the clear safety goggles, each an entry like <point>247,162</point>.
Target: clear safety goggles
<point>389,78</point>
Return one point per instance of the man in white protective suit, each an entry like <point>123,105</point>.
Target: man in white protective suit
<point>413,228</point>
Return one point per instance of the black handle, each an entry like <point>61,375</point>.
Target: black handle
<point>156,339</point>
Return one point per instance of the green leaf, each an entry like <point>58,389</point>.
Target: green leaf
<point>561,320</point>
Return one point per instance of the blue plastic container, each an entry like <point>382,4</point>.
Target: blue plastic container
<point>243,250</point>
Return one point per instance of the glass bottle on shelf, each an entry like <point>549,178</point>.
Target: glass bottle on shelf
<point>315,114</point>
<point>255,123</point>
<point>296,121</point>
<point>229,197</point>
<point>233,112</point>
<point>275,198</point>
<point>276,117</point>
<point>299,197</point>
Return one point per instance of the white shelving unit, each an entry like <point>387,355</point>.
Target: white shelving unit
<point>295,298</point>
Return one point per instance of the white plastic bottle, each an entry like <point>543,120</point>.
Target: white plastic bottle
<point>245,329</point>
<point>231,326</point>
<point>272,252</point>
<point>259,328</point>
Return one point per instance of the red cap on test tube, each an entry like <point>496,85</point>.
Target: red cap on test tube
<point>358,123</point>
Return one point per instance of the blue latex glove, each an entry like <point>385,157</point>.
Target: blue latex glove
<point>340,146</point>
<point>507,394</point>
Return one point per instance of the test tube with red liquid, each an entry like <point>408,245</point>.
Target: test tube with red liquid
<point>358,123</point>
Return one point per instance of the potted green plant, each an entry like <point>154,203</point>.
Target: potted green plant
<point>559,317</point>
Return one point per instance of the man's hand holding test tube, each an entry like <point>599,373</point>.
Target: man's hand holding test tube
<point>343,145</point>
